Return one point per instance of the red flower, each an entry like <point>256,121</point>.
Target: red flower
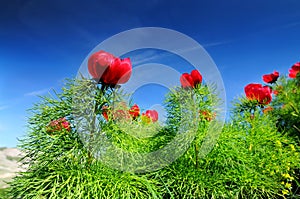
<point>186,80</point>
<point>134,111</point>
<point>98,63</point>
<point>150,115</point>
<point>106,68</point>
<point>258,92</point>
<point>197,77</point>
<point>191,80</point>
<point>58,125</point>
<point>296,66</point>
<point>294,70</point>
<point>118,72</point>
<point>271,78</point>
<point>293,73</point>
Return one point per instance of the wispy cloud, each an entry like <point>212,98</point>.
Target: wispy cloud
<point>3,107</point>
<point>291,25</point>
<point>218,43</point>
<point>148,56</point>
<point>37,92</point>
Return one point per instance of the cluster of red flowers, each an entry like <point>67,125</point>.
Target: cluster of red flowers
<point>261,93</point>
<point>191,80</point>
<point>108,69</point>
<point>58,125</point>
<point>126,114</point>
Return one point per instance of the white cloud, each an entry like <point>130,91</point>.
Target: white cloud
<point>37,92</point>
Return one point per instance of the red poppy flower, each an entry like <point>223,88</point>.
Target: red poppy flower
<point>293,73</point>
<point>150,115</point>
<point>118,72</point>
<point>271,78</point>
<point>294,70</point>
<point>106,68</point>
<point>98,63</point>
<point>296,66</point>
<point>258,92</point>
<point>134,111</point>
<point>197,77</point>
<point>186,80</point>
<point>191,80</point>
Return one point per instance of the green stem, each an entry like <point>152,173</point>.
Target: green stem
<point>295,109</point>
<point>296,128</point>
<point>196,140</point>
<point>92,132</point>
<point>196,154</point>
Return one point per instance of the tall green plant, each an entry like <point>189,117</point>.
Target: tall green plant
<point>250,160</point>
<point>61,165</point>
<point>286,106</point>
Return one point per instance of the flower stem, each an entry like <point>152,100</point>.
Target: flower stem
<point>93,124</point>
<point>196,155</point>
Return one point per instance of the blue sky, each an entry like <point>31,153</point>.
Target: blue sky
<point>44,42</point>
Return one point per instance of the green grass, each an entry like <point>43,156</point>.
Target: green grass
<point>3,193</point>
